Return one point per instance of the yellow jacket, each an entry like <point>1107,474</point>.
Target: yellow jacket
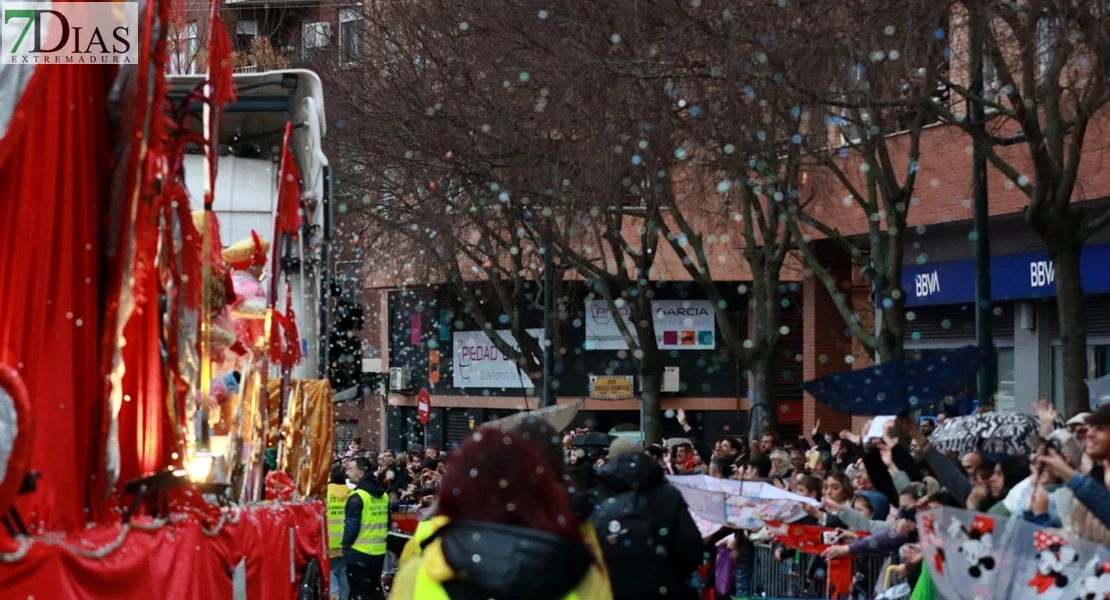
<point>336,501</point>
<point>432,564</point>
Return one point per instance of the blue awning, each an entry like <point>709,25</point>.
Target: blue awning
<point>1013,277</point>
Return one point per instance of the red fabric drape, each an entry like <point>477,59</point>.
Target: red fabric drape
<point>177,561</point>
<point>53,195</point>
<point>809,539</point>
<point>144,429</point>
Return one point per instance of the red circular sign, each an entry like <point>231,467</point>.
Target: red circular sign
<point>424,406</point>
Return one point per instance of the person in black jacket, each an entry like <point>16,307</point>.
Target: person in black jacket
<point>650,542</point>
<point>364,571</point>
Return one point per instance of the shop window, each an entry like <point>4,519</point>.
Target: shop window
<point>1098,365</point>
<point>1004,379</point>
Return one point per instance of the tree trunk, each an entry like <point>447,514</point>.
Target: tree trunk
<point>762,417</point>
<point>1073,330</point>
<point>651,404</point>
<point>891,336</point>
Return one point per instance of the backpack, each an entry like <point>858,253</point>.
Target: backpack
<point>627,539</point>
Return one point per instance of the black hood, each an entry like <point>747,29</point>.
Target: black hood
<point>370,485</point>
<point>631,472</point>
<point>505,562</point>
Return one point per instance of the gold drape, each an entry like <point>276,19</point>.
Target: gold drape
<point>309,433</point>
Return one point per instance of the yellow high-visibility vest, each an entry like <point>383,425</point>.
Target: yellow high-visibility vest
<point>337,505</point>
<point>374,525</point>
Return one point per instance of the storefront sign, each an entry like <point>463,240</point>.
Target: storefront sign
<point>679,325</point>
<point>479,364</point>
<point>611,387</point>
<point>1013,277</point>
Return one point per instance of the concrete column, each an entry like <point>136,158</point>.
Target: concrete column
<point>1032,354</point>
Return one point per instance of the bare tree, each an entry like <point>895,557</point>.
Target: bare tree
<point>877,57</point>
<point>1047,65</point>
<point>423,197</point>
<point>750,139</point>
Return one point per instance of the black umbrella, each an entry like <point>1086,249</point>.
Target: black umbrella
<point>593,439</point>
<point>917,381</point>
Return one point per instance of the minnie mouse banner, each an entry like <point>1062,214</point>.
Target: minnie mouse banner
<point>974,555</point>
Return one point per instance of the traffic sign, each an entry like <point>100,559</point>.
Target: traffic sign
<point>424,406</point>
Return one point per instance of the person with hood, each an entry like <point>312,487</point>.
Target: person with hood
<point>365,527</point>
<point>337,495</point>
<point>507,531</point>
<point>650,542</point>
<point>540,434</point>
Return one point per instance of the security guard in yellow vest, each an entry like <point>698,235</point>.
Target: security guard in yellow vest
<point>338,492</point>
<point>365,527</point>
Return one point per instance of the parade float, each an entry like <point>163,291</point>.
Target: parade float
<point>164,428</point>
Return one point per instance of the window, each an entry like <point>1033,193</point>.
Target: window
<point>315,35</point>
<point>1004,378</point>
<point>350,36</point>
<point>851,123</point>
<point>991,85</point>
<point>345,433</point>
<point>1046,43</point>
<point>183,59</point>
<point>245,32</point>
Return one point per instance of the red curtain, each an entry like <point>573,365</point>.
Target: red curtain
<point>54,170</point>
<point>145,431</point>
<point>179,561</point>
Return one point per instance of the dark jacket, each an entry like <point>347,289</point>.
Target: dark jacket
<point>352,520</point>
<point>887,541</point>
<point>674,530</point>
<point>505,562</point>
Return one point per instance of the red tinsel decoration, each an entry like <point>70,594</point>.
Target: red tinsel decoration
<point>292,339</point>
<point>289,191</point>
<point>220,68</point>
<point>288,353</point>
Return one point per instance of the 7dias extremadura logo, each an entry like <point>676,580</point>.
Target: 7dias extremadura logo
<point>69,33</point>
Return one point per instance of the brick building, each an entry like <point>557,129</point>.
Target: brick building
<point>938,279</point>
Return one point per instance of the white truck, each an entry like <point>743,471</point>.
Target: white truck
<point>246,188</point>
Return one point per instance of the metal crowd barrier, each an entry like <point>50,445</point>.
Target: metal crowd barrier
<point>801,575</point>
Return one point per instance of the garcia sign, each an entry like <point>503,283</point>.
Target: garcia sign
<point>479,364</point>
<point>679,325</point>
<point>64,33</point>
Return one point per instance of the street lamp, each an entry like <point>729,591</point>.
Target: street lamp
<point>977,116</point>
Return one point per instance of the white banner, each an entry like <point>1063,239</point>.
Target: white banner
<point>479,364</point>
<point>679,325</point>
